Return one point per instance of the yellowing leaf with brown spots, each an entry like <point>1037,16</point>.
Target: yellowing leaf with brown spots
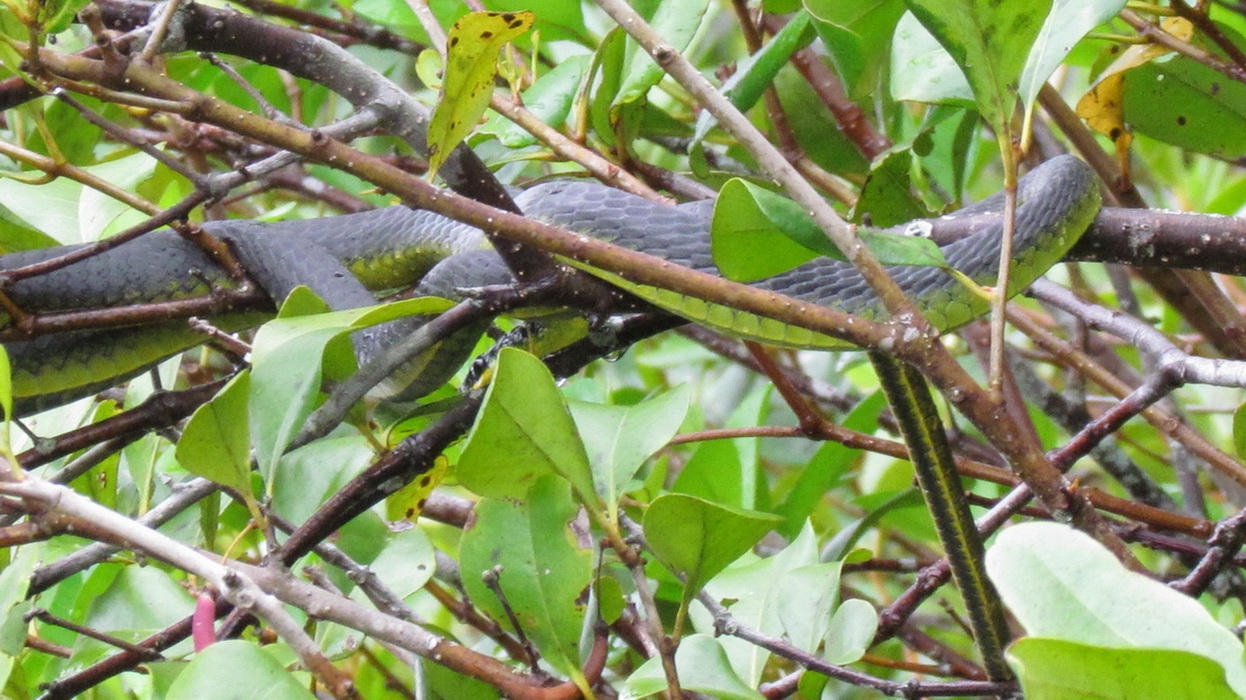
<point>471,69</point>
<point>1103,106</point>
<point>408,502</point>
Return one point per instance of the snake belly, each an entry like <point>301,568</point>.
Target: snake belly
<point>399,247</point>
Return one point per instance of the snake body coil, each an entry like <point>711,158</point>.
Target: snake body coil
<point>398,247</point>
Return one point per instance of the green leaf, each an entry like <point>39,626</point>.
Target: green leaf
<point>757,234</point>
<point>216,443</point>
<point>307,476</point>
<point>676,22</point>
<point>702,667</point>
<point>543,573</point>
<point>754,74</point>
<point>56,15</point>
<point>237,669</point>
<point>922,71</point>
<point>1060,583</point>
<point>1239,431</point>
<point>549,100</point>
<point>1187,104</point>
<point>827,466</point>
<point>6,390</point>
<point>472,49</point>
<point>1066,24</point>
<point>139,601</point>
<point>406,563</point>
<point>522,432</point>
<point>1057,669</point>
<point>619,439</point>
<point>768,600</point>
<point>851,632</point>
<point>989,40</point>
<point>698,539</point>
<point>857,36</point>
<point>14,580</point>
<point>887,198</point>
<point>288,369</point>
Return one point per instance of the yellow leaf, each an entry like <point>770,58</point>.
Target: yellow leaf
<point>408,502</point>
<point>1102,107</point>
<point>471,69</point>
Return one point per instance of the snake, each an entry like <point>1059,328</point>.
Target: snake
<point>348,259</point>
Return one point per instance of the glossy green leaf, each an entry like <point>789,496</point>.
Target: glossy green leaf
<point>472,49</point>
<point>619,439</point>
<point>543,569</point>
<point>757,234</point>
<point>216,443</point>
<point>1060,583</point>
<point>698,539</point>
<point>522,432</point>
<point>237,669</point>
<point>1058,669</point>
<point>702,667</point>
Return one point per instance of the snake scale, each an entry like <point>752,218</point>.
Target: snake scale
<point>347,259</point>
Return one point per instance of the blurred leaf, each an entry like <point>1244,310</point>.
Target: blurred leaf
<point>1057,669</point>
<point>472,49</point>
<point>826,466</point>
<point>702,667</point>
<point>857,35</point>
<point>851,632</point>
<point>236,669</point>
<point>1060,583</point>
